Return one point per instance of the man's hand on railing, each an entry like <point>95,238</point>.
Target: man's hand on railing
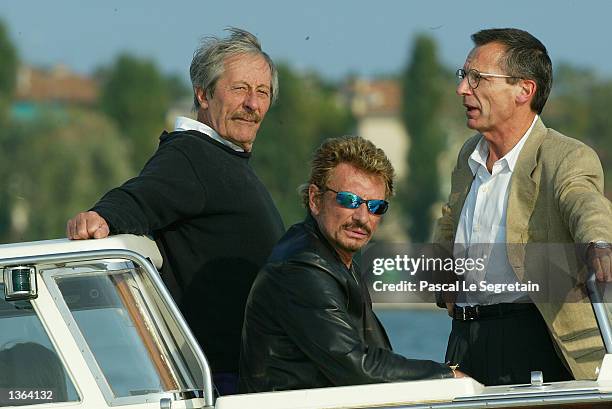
<point>599,258</point>
<point>87,225</point>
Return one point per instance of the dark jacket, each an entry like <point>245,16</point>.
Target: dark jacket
<point>215,224</point>
<point>309,323</point>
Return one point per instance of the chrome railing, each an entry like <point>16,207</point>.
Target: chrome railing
<point>599,307</point>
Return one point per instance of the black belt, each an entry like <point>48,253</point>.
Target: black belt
<point>477,312</point>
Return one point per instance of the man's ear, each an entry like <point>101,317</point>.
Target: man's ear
<point>526,91</point>
<point>314,199</point>
<point>202,99</point>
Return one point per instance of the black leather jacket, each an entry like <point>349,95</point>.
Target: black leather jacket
<point>309,323</point>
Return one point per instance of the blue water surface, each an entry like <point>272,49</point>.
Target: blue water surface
<point>417,334</point>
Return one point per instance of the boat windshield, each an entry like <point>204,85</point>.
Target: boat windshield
<point>31,371</point>
<point>130,335</point>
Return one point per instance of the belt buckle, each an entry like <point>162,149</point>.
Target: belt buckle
<point>476,312</point>
<point>469,313</point>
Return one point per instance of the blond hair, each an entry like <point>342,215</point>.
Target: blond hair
<point>353,150</point>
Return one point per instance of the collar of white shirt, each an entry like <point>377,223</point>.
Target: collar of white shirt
<point>183,123</point>
<point>481,153</point>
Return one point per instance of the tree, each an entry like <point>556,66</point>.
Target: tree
<point>568,107</point>
<point>578,107</point>
<point>8,73</point>
<point>176,88</point>
<point>136,96</point>
<point>306,113</point>
<point>53,170</point>
<point>423,83</point>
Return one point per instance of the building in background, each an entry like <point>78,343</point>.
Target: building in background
<point>376,106</point>
<point>51,90</point>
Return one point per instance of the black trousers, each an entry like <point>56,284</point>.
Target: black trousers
<point>503,350</point>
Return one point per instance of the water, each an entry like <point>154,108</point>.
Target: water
<point>417,334</point>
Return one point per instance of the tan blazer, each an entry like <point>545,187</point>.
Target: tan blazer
<point>556,196</point>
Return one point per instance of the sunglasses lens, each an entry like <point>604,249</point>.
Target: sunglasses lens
<point>348,200</point>
<point>378,206</point>
<point>352,201</point>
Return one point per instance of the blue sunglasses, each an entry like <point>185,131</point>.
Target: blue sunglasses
<point>350,200</point>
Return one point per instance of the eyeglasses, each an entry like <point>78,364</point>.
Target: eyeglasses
<point>350,200</point>
<point>474,76</point>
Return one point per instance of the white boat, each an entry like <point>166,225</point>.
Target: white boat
<point>89,324</point>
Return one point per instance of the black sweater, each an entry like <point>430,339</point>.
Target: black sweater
<point>215,224</point>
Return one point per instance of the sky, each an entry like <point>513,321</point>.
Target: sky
<point>331,37</point>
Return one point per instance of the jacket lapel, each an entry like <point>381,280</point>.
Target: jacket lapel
<point>462,180</point>
<point>522,197</point>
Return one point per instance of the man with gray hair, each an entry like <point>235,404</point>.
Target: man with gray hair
<point>212,218</point>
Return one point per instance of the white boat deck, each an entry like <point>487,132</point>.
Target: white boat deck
<point>446,393</point>
<point>363,396</point>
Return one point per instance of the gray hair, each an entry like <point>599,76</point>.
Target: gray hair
<point>208,63</point>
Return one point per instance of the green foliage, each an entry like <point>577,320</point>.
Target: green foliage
<point>580,107</point>
<point>423,84</point>
<point>305,114</point>
<point>54,170</point>
<point>136,96</point>
<point>176,88</point>
<point>8,72</point>
<point>569,104</point>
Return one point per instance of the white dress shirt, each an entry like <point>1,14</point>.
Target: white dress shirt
<point>481,232</point>
<point>183,123</point>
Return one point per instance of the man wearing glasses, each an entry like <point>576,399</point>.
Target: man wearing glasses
<point>516,184</point>
<point>309,321</point>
